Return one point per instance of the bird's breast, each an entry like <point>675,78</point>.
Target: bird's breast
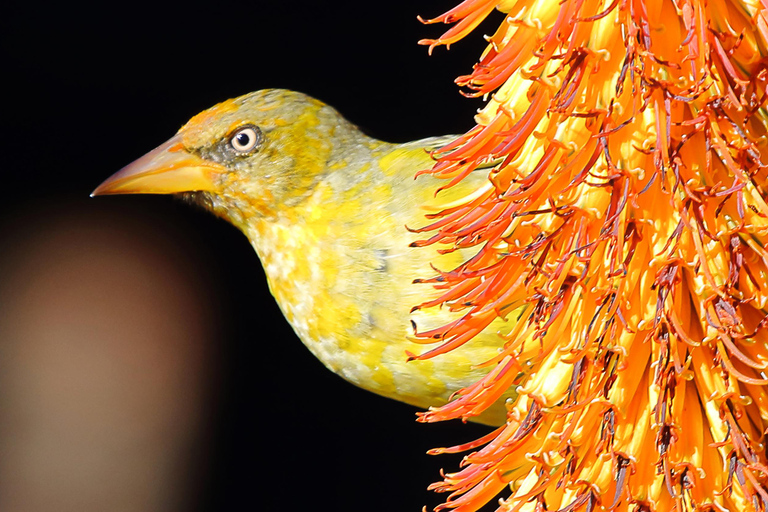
<point>345,284</point>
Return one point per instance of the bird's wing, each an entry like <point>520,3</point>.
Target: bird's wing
<point>436,147</point>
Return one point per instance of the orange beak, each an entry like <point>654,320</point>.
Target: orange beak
<point>167,169</point>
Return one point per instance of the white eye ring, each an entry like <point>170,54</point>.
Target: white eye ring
<point>245,139</point>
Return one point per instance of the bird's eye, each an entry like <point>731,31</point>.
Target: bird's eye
<point>245,139</point>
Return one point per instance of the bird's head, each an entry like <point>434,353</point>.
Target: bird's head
<point>244,157</point>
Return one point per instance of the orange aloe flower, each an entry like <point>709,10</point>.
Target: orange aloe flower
<point>624,238</point>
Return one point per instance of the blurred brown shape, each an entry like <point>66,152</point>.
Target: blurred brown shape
<point>105,342</point>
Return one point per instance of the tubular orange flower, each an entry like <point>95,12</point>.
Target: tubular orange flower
<point>625,239</point>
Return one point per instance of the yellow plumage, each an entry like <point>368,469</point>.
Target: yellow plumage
<point>617,242</point>
<point>326,208</point>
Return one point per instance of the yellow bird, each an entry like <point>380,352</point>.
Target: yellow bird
<point>607,272</point>
<point>327,209</point>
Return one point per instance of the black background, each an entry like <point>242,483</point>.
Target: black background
<point>92,88</point>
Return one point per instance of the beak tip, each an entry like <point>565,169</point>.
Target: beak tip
<point>101,190</point>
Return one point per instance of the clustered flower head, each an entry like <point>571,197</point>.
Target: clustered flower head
<point>624,240</point>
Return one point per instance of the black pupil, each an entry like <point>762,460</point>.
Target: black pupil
<point>242,139</point>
